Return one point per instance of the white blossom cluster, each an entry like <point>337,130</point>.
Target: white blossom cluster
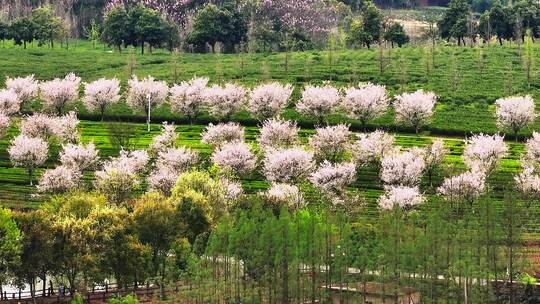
<point>100,94</point>
<point>277,133</point>
<point>330,142</point>
<point>60,92</point>
<point>224,101</point>
<point>288,165</point>
<point>515,113</point>
<point>269,100</point>
<point>371,148</point>
<point>365,103</point>
<point>222,133</point>
<point>187,98</point>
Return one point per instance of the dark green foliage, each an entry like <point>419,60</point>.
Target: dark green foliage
<point>114,27</point>
<point>396,35</point>
<point>366,30</point>
<point>454,21</point>
<point>22,31</point>
<point>47,26</point>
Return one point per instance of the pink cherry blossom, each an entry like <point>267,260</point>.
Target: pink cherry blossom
<point>318,101</point>
<point>4,124</point>
<point>232,190</point>
<point>269,100</point>
<point>466,186</point>
<point>65,127</point>
<point>277,133</point>
<point>9,102</point>
<point>187,98</point>
<point>483,152</point>
<point>225,101</point>
<point>528,182</point>
<point>79,157</point>
<point>117,183</point>
<point>39,125</point>
<point>403,168</point>
<point>333,178</point>
<point>515,112</point>
<point>177,159</point>
<point>100,94</point>
<point>28,153</point>
<point>288,165</point>
<point>365,103</point>
<point>533,148</point>
<point>370,148</point>
<point>401,197</point>
<point>235,157</point>
<point>330,142</point>
<point>59,180</point>
<point>26,88</point>
<point>415,109</point>
<point>162,180</point>
<point>222,133</point>
<point>285,195</point>
<point>164,141</point>
<point>146,94</point>
<point>59,93</point>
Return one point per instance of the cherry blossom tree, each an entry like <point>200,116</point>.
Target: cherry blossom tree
<point>332,179</point>
<point>65,127</point>
<point>9,102</point>
<point>178,160</point>
<point>28,153</point>
<point>222,133</point>
<point>285,195</point>
<point>225,101</point>
<point>365,103</point>
<point>26,88</point>
<point>162,179</point>
<point>38,125</point>
<point>277,133</point>
<point>269,100</point>
<point>100,94</point>
<point>288,165</point>
<point>330,142</point>
<point>415,109</point>
<point>466,186</point>
<point>235,157</point>
<point>483,152</point>
<point>59,93</point>
<point>434,156</point>
<point>515,113</point>
<point>232,190</point>
<point>79,157</point>
<point>187,98</point>
<point>318,101</point>
<point>404,169</point>
<point>533,148</point>
<point>4,124</point>
<point>146,94</point>
<point>403,197</point>
<point>60,179</point>
<point>528,182</point>
<point>164,141</point>
<point>371,148</point>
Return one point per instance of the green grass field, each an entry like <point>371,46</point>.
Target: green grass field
<point>467,94</point>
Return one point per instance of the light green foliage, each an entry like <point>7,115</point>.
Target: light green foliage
<point>10,244</point>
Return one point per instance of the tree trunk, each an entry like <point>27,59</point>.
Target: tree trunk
<point>142,47</point>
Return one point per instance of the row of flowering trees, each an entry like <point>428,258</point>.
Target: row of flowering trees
<point>189,98</point>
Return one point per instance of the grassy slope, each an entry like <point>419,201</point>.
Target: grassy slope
<point>466,109</point>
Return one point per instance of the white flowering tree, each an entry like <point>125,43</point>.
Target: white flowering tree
<point>4,124</point>
<point>28,153</point>
<point>464,187</point>
<point>434,156</point>
<point>365,103</point>
<point>9,102</point>
<point>515,113</point>
<point>235,158</point>
<point>332,179</point>
<point>100,94</point>
<point>330,142</point>
<point>403,169</point>
<point>65,127</point>
<point>371,148</point>
<point>533,148</point>
<point>39,125</point>
<point>162,179</point>
<point>402,197</point>
<point>484,152</point>
<point>164,141</point>
<point>288,195</point>
<point>146,94</point>
<point>318,102</point>
<point>187,98</point>
<point>79,157</point>
<point>26,88</point>
<point>415,109</point>
<point>180,159</point>
<point>278,133</point>
<point>232,190</point>
<point>60,92</point>
<point>528,182</point>
<point>269,100</point>
<point>222,133</point>
<point>224,101</point>
<point>60,179</point>
<point>288,165</point>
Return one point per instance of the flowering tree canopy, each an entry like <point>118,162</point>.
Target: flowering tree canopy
<point>483,152</point>
<point>29,153</point>
<point>277,133</point>
<point>222,133</point>
<point>401,197</point>
<point>365,103</point>
<point>177,159</point>
<point>9,102</point>
<point>162,179</point>
<point>285,195</point>
<point>59,179</point>
<point>26,88</point>
<point>146,94</point>
<point>370,148</point>
<point>65,127</point>
<point>330,142</point>
<point>59,93</point>
<point>100,94</point>
<point>164,141</point>
<point>235,157</point>
<point>533,148</point>
<point>4,124</point>
<point>466,186</point>
<point>39,125</point>
<point>225,101</point>
<point>434,156</point>
<point>403,169</point>
<point>318,101</point>
<point>515,112</point>
<point>333,178</point>
<point>269,100</point>
<point>415,109</point>
<point>232,189</point>
<point>187,98</point>
<point>79,157</point>
<point>288,165</point>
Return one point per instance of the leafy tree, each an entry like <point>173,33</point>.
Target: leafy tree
<point>22,31</point>
<point>527,12</point>
<point>213,24</point>
<point>10,245</point>
<point>47,26</point>
<point>93,33</point>
<point>366,30</point>
<point>396,34</point>
<point>454,22</point>
<point>115,27</point>
<point>4,31</point>
<point>500,19</point>
<point>149,27</point>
